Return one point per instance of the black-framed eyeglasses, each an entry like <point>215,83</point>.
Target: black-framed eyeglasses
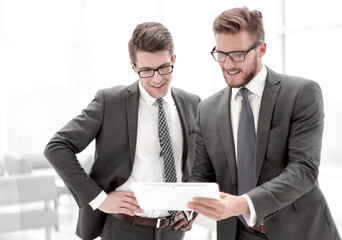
<point>163,70</point>
<point>235,56</point>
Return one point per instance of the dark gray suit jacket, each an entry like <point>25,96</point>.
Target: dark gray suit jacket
<point>287,198</point>
<point>111,118</point>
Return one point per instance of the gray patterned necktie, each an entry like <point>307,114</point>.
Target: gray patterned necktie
<point>166,147</point>
<point>245,147</point>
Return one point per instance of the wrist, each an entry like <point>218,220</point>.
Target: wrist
<point>243,206</point>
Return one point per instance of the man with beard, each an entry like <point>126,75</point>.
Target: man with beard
<point>260,140</point>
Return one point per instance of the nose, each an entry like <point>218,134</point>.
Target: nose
<point>228,63</point>
<point>157,77</point>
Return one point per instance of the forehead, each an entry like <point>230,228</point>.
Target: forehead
<point>228,42</point>
<point>152,60</point>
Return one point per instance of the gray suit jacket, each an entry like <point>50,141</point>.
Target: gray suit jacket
<point>286,198</point>
<point>111,118</point>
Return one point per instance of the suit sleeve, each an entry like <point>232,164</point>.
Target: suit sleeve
<point>73,138</point>
<point>299,154</point>
<point>202,171</point>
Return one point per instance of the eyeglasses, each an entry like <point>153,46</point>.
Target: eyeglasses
<point>235,56</point>
<point>164,70</point>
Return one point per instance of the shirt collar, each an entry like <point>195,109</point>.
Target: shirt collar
<point>150,100</point>
<point>256,85</point>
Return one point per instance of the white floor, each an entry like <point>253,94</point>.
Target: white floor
<point>68,215</point>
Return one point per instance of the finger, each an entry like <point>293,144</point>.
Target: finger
<point>124,196</point>
<point>129,194</point>
<point>206,204</point>
<point>126,211</point>
<point>179,224</point>
<point>130,202</point>
<point>223,195</point>
<point>207,214</point>
<point>205,201</point>
<point>197,206</point>
<point>127,200</point>
<point>131,207</point>
<point>187,226</point>
<point>204,210</point>
<point>123,200</point>
<point>129,197</point>
<point>179,216</point>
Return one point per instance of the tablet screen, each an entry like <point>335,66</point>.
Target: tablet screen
<point>172,196</point>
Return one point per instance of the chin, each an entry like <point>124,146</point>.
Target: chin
<point>158,95</point>
<point>234,84</point>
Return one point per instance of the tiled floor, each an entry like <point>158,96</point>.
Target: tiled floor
<point>68,214</point>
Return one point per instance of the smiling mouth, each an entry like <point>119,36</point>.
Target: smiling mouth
<point>233,72</point>
<point>158,86</point>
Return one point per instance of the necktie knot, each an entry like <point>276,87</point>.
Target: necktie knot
<point>159,101</point>
<point>244,92</point>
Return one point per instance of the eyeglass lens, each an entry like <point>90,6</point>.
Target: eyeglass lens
<point>162,71</point>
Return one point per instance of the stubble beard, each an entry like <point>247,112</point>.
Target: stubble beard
<point>246,78</point>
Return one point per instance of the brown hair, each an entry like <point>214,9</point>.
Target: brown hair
<point>150,37</point>
<point>236,20</point>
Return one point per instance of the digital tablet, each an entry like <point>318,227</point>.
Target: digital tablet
<point>172,196</point>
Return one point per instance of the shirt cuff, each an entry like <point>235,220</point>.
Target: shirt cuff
<point>251,217</point>
<point>96,202</point>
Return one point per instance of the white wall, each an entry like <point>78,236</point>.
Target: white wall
<point>56,54</point>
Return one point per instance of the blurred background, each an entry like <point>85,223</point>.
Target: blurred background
<point>55,55</point>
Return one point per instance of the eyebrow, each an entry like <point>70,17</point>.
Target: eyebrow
<point>229,51</point>
<point>150,68</point>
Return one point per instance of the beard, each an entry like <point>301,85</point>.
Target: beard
<point>246,77</point>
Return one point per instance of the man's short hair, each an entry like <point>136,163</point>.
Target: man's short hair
<point>236,20</point>
<point>150,37</point>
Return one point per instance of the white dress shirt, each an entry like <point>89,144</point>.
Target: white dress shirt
<point>148,164</point>
<point>255,90</point>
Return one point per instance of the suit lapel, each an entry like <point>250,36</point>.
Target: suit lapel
<point>268,101</point>
<point>225,130</point>
<point>132,105</point>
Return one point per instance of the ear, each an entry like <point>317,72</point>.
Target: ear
<point>174,58</point>
<point>262,49</point>
<point>133,67</point>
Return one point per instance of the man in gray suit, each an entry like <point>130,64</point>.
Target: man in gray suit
<point>282,200</point>
<point>124,122</point>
